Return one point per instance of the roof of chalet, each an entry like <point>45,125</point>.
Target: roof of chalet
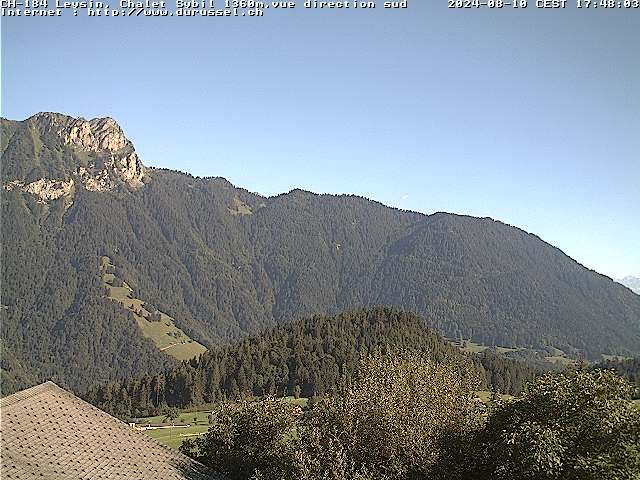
<point>49,433</point>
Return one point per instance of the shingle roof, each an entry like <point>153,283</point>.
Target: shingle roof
<point>48,433</point>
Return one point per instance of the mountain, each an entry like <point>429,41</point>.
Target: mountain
<point>632,282</point>
<point>104,261</point>
<point>309,357</point>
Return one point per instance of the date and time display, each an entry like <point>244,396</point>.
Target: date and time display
<point>257,8</point>
<point>546,4</point>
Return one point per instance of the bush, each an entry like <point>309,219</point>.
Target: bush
<point>389,425</point>
<point>249,440</point>
<point>572,426</point>
<point>407,418</point>
<point>393,421</point>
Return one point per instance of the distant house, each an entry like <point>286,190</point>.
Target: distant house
<point>48,433</point>
<point>158,426</point>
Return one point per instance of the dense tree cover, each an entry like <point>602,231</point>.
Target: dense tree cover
<point>575,426</point>
<point>628,368</point>
<point>250,437</point>
<point>311,357</point>
<point>55,320</point>
<point>226,263</point>
<point>507,375</point>
<point>390,423</point>
<point>407,418</point>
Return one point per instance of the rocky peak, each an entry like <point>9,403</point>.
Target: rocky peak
<point>97,135</point>
<point>103,138</point>
<point>92,154</point>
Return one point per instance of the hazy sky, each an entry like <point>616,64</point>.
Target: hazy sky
<point>528,116</point>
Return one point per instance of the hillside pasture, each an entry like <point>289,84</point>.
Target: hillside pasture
<point>173,437</point>
<point>154,325</point>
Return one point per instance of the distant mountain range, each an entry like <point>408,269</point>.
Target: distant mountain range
<point>105,261</point>
<point>632,282</point>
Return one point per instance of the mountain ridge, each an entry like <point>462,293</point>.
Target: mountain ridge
<point>225,262</point>
<point>294,191</point>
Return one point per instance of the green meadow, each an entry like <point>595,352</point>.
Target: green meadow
<point>161,330</point>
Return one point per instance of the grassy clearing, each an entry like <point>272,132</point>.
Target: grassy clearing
<point>173,437</point>
<point>300,402</point>
<point>552,355</point>
<point>238,207</point>
<point>485,396</point>
<point>198,420</point>
<point>558,357</point>
<point>161,330</point>
<point>560,360</point>
<point>471,347</point>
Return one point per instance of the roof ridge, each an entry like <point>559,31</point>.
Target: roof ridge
<point>28,393</point>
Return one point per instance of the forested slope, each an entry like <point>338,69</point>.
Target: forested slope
<point>309,357</point>
<point>225,263</point>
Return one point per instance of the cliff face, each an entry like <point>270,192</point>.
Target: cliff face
<point>91,154</point>
<point>44,189</point>
<point>99,134</point>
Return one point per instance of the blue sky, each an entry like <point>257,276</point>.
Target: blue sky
<point>528,116</point>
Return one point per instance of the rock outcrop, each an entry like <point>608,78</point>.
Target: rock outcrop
<point>112,159</point>
<point>104,136</point>
<point>99,134</point>
<point>44,189</point>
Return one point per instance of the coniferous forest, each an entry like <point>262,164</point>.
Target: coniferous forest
<point>315,357</point>
<point>226,264</point>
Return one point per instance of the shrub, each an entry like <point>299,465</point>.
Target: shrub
<point>253,439</point>
<point>572,426</point>
<point>392,422</point>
